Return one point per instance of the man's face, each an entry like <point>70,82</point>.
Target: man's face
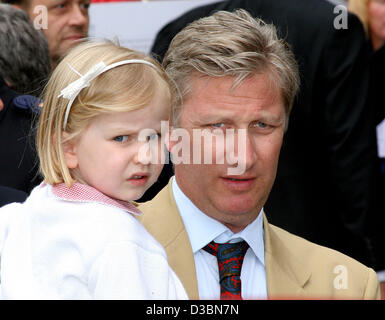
<point>67,22</point>
<point>256,106</point>
<point>376,12</point>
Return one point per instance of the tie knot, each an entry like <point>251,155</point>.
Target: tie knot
<point>227,250</point>
<point>230,257</point>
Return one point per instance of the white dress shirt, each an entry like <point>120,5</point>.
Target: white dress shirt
<point>202,229</point>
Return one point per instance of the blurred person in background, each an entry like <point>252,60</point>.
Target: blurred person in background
<point>18,161</point>
<point>24,68</point>
<point>24,55</point>
<point>66,22</point>
<point>372,16</point>
<point>9,195</point>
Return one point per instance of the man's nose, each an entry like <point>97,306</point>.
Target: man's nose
<point>246,150</point>
<point>244,153</point>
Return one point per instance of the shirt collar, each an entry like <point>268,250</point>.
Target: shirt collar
<point>85,193</point>
<point>202,229</point>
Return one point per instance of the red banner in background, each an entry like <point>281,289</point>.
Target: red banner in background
<point>104,1</point>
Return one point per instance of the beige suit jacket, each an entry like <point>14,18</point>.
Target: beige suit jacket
<point>295,267</point>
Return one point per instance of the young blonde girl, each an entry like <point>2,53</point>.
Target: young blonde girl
<point>76,236</point>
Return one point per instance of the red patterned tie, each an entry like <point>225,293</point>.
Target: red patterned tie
<point>230,258</point>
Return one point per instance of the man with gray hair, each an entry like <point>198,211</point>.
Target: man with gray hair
<point>24,55</point>
<point>235,78</point>
<point>64,22</point>
<point>24,70</point>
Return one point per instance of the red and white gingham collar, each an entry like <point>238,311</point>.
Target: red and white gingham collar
<point>85,193</point>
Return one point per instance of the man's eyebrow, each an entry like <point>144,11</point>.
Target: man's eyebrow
<point>214,119</point>
<point>217,119</point>
<point>271,117</point>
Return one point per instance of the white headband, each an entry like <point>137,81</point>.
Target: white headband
<point>73,89</point>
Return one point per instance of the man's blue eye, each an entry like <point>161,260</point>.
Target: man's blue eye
<point>218,125</point>
<point>261,124</point>
<point>153,136</point>
<point>121,138</point>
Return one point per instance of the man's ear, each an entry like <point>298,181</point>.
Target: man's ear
<point>69,149</point>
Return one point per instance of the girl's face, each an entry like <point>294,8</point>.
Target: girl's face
<point>376,11</point>
<point>106,155</point>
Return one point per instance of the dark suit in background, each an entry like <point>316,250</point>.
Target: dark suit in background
<point>19,164</point>
<point>377,101</point>
<point>9,195</point>
<point>324,190</point>
<point>377,72</point>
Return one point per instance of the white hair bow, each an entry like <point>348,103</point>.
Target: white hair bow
<point>73,89</point>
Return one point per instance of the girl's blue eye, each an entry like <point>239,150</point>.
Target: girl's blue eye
<point>121,138</point>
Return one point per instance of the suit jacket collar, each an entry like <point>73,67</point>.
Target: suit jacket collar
<point>286,274</point>
<point>182,245</point>
<point>168,228</point>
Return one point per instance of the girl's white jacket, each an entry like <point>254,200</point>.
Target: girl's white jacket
<point>53,248</point>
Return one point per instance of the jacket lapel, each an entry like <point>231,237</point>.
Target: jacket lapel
<point>162,219</point>
<point>179,250</point>
<point>286,276</point>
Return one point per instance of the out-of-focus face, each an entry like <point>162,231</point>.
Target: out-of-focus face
<point>67,23</point>
<point>257,107</point>
<point>376,12</point>
<point>106,155</point>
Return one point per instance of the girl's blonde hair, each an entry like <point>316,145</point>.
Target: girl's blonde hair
<point>360,9</point>
<point>121,89</point>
